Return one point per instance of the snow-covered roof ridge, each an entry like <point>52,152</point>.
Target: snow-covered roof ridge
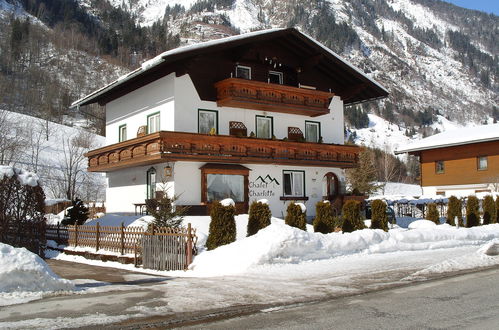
<point>149,64</point>
<point>455,137</point>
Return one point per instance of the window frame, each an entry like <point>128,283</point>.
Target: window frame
<point>244,67</point>
<point>149,187</point>
<point>277,73</point>
<point>318,130</point>
<point>437,171</point>
<point>303,195</point>
<point>478,163</point>
<point>216,120</point>
<point>271,126</point>
<point>159,122</point>
<point>120,135</point>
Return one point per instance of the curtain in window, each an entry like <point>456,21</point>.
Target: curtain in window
<point>207,121</point>
<point>221,186</point>
<point>312,132</point>
<point>263,128</point>
<point>293,184</point>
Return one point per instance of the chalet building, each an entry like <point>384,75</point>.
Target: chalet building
<point>258,115</point>
<point>459,162</point>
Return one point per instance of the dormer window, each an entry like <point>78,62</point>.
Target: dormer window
<point>275,77</point>
<point>243,72</point>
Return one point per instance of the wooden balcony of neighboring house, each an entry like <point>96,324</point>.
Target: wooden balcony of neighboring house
<point>257,95</point>
<point>179,146</point>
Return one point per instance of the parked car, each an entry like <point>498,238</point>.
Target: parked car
<point>390,213</point>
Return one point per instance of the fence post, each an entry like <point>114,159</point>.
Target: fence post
<point>76,235</point>
<point>122,238</point>
<point>97,237</point>
<point>58,229</point>
<point>189,246</point>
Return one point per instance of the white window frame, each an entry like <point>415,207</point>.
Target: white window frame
<point>294,175</point>
<point>277,73</point>
<point>318,127</point>
<point>271,127</point>
<point>246,68</point>
<point>122,130</point>
<point>151,125</point>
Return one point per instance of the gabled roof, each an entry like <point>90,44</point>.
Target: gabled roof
<point>364,88</point>
<point>455,137</point>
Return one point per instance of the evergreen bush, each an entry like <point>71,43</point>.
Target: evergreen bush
<point>222,226</point>
<point>324,221</point>
<point>351,217</point>
<point>454,210</point>
<point>164,211</point>
<point>432,213</point>
<point>259,217</point>
<point>379,220</point>
<point>472,212</point>
<point>489,210</point>
<point>295,217</point>
<point>77,214</point>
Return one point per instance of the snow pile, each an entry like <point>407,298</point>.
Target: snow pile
<point>227,202</point>
<point>279,243</point>
<point>422,224</point>
<point>24,275</point>
<point>25,178</point>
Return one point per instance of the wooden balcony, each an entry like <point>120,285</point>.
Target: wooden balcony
<point>256,95</point>
<point>178,146</point>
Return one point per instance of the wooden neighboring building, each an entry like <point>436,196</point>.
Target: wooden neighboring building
<point>458,162</point>
<point>253,116</point>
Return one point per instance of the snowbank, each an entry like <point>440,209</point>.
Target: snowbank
<point>24,275</point>
<point>279,243</point>
<point>25,178</point>
<point>420,224</point>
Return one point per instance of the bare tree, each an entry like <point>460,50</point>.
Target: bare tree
<point>37,131</point>
<point>388,166</point>
<point>12,139</point>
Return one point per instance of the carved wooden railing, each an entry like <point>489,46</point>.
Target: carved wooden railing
<point>174,146</point>
<point>250,94</point>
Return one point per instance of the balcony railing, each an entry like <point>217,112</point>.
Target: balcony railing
<point>250,94</point>
<point>178,146</point>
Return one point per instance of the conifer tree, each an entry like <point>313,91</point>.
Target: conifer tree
<point>164,212</point>
<point>472,212</point>
<point>259,217</point>
<point>222,226</point>
<point>379,220</point>
<point>324,221</point>
<point>351,216</point>
<point>295,217</point>
<point>454,210</point>
<point>489,210</point>
<point>77,214</point>
<point>433,214</point>
<point>363,177</point>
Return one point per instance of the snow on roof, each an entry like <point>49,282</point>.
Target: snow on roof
<point>147,65</point>
<point>455,137</point>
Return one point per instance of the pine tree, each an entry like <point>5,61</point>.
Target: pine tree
<point>324,221</point>
<point>454,210</point>
<point>259,217</point>
<point>363,177</point>
<point>489,210</point>
<point>351,217</point>
<point>222,226</point>
<point>433,214</point>
<point>164,211</point>
<point>295,217</point>
<point>379,220</point>
<point>472,212</point>
<point>77,214</point>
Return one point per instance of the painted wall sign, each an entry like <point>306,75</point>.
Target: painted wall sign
<point>263,187</point>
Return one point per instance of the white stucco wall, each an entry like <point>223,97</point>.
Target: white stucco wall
<point>133,108</point>
<point>457,190</point>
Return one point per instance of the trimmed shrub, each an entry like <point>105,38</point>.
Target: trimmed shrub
<point>222,226</point>
<point>351,217</point>
<point>77,214</point>
<point>432,213</point>
<point>454,210</point>
<point>472,212</point>
<point>324,221</point>
<point>379,220</point>
<point>489,210</point>
<point>295,217</point>
<point>259,217</point>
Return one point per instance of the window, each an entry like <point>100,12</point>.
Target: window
<point>294,183</point>
<point>482,163</point>
<point>153,123</point>
<point>151,183</point>
<point>439,166</point>
<point>275,77</point>
<point>221,186</point>
<point>264,127</point>
<point>207,120</point>
<point>312,131</point>
<point>243,72</point>
<point>122,133</point>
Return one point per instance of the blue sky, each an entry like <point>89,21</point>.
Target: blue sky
<point>489,6</point>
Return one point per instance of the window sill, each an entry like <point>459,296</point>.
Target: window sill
<point>293,198</point>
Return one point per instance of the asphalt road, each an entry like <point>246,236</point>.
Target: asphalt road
<point>468,301</point>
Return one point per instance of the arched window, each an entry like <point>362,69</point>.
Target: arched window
<point>330,186</point>
<point>151,183</point>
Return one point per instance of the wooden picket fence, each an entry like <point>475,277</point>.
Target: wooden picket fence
<point>160,248</point>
